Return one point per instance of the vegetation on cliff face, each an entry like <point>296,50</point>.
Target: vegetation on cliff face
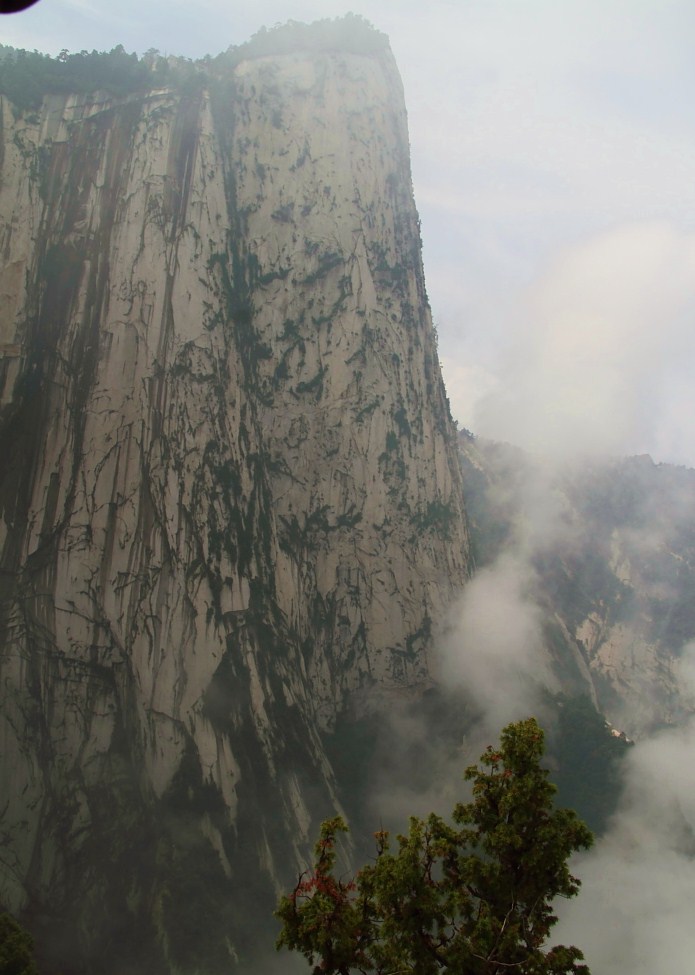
<point>26,76</point>
<point>351,33</point>
<point>475,897</point>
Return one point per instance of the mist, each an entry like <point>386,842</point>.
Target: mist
<point>597,364</point>
<point>493,649</point>
<point>634,910</point>
<point>491,665</point>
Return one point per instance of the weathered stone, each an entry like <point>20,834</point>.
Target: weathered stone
<point>229,490</point>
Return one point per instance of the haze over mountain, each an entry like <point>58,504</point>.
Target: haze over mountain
<point>245,581</point>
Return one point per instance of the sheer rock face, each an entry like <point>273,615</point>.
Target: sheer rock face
<point>229,493</point>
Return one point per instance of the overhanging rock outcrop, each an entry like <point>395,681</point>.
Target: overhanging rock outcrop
<point>229,489</point>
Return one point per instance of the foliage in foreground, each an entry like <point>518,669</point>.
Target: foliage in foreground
<point>16,948</point>
<point>473,898</point>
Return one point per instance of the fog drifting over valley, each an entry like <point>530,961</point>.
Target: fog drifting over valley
<point>633,910</point>
<point>553,159</point>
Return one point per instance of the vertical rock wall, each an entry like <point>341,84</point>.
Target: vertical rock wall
<point>229,495</point>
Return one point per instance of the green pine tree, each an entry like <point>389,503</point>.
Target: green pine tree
<point>16,948</point>
<point>473,897</point>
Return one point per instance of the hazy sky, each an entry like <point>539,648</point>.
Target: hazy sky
<point>553,150</point>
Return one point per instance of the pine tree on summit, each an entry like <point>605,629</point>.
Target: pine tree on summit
<point>472,898</point>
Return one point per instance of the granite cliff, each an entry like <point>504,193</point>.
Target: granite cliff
<point>230,493</point>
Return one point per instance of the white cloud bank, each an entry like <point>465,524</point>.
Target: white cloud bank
<point>634,910</point>
<point>601,359</point>
<point>493,647</point>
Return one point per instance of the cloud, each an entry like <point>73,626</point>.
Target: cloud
<point>466,384</point>
<point>493,648</point>
<point>634,911</point>
<point>490,666</point>
<point>556,126</point>
<point>603,336</point>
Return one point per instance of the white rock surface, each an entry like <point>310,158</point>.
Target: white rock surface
<point>230,496</point>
